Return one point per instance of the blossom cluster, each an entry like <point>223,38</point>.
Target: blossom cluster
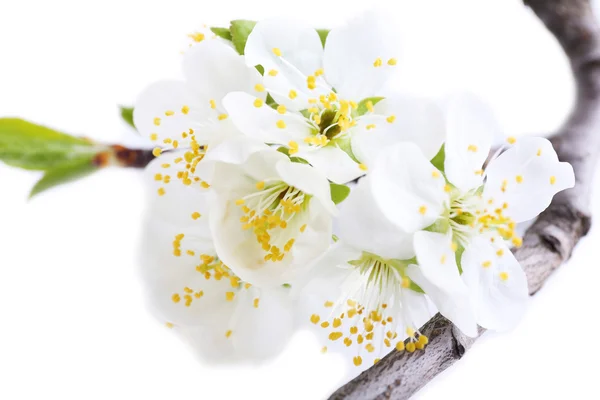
<point>288,192</point>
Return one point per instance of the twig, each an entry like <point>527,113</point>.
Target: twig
<point>124,157</point>
<point>549,241</point>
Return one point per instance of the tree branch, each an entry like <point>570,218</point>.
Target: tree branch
<point>549,241</point>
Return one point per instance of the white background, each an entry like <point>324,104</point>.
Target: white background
<point>73,323</point>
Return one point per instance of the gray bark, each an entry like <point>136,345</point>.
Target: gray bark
<point>549,241</point>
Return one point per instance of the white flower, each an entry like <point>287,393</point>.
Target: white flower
<point>327,110</point>
<point>478,208</point>
<point>360,295</point>
<point>270,217</point>
<point>189,114</point>
<point>223,317</point>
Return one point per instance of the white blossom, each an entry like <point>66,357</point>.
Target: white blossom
<point>327,110</point>
<point>270,217</point>
<point>475,211</point>
<point>192,291</point>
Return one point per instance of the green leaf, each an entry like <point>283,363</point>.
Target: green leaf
<point>62,174</point>
<point>240,29</point>
<point>222,33</point>
<point>127,115</point>
<point>35,147</point>
<point>439,159</point>
<point>362,106</point>
<point>323,35</point>
<point>338,192</point>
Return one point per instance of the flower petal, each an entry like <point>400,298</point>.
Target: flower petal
<point>470,126</point>
<point>525,177</point>
<point>361,56</point>
<point>437,274</point>
<point>240,335</point>
<point>264,123</point>
<point>497,283</point>
<point>362,225</point>
<point>177,291</point>
<point>262,331</point>
<point>176,202</point>
<point>333,162</point>
<point>299,44</point>
<point>166,109</point>
<point>402,119</point>
<point>288,49</point>
<point>214,69</point>
<point>407,187</point>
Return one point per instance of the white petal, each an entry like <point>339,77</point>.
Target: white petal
<point>152,113</point>
<point>351,53</point>
<point>497,283</point>
<point>166,275</point>
<point>299,44</point>
<point>179,201</point>
<point>294,95</point>
<point>333,162</point>
<point>415,308</point>
<point>210,343</point>
<point>407,187</point>
<point>526,177</point>
<point>327,272</point>
<point>414,119</point>
<point>437,274</point>
<point>264,123</point>
<point>214,69</point>
<point>470,127</point>
<point>262,332</point>
<point>238,150</point>
<point>307,179</point>
<point>248,330</point>
<point>362,225</point>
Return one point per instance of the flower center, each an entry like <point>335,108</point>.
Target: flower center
<point>274,214</point>
<point>470,215</point>
<point>370,314</point>
<point>330,117</point>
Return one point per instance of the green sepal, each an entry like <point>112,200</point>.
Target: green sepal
<point>439,159</point>
<point>346,145</point>
<point>240,30</point>
<point>323,35</point>
<point>127,115</point>
<point>458,254</point>
<point>223,33</point>
<point>339,193</point>
<point>362,106</point>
